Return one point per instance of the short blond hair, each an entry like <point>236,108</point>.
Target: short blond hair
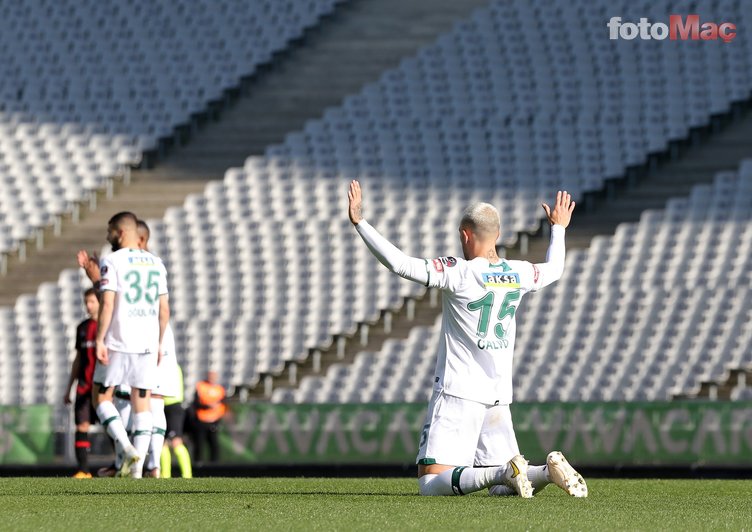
<point>482,219</point>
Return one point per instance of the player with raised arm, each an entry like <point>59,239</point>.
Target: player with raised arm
<point>468,441</point>
<point>132,321</point>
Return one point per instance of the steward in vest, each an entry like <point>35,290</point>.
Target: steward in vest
<point>210,409</point>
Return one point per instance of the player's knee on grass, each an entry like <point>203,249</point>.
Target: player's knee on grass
<point>427,486</point>
<point>441,484</point>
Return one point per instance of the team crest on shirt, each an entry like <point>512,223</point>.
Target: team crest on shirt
<point>438,264</point>
<point>502,280</point>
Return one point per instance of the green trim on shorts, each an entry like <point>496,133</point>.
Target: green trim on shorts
<point>142,432</point>
<point>122,395</point>
<point>108,421</point>
<point>159,431</point>
<point>427,461</point>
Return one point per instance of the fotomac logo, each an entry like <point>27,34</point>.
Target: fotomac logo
<point>677,28</point>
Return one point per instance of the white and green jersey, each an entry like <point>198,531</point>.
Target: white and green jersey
<point>476,347</point>
<point>138,278</point>
<point>480,302</point>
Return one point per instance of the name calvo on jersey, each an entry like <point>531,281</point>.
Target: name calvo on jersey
<point>498,343</point>
<point>142,313</point>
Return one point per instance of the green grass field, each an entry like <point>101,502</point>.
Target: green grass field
<point>363,504</point>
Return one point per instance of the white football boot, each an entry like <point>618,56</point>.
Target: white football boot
<point>516,477</point>
<point>130,461</point>
<point>564,475</point>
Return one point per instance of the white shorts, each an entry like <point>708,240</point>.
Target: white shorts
<point>135,370</point>
<point>167,381</point>
<point>460,432</point>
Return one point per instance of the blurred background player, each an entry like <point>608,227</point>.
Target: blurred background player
<point>82,371</point>
<point>166,380</point>
<point>209,403</point>
<point>175,414</point>
<point>132,321</point>
<point>468,441</point>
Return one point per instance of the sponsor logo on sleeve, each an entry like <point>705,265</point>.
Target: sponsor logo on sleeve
<point>536,274</point>
<point>502,280</point>
<point>104,269</point>
<point>441,262</point>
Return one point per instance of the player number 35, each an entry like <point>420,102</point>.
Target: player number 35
<point>149,290</point>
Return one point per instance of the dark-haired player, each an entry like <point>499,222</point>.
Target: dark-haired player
<point>82,371</point>
<point>132,321</point>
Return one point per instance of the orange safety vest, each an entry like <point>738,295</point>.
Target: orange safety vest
<point>210,397</point>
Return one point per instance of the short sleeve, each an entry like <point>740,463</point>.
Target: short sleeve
<point>446,273</point>
<point>108,280</point>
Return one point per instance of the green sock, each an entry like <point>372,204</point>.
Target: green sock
<point>165,462</point>
<point>184,461</point>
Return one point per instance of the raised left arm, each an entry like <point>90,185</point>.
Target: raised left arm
<point>411,268</point>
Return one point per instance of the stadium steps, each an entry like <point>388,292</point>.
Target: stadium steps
<point>147,197</point>
<point>720,145</point>
<point>346,50</point>
<point>349,49</point>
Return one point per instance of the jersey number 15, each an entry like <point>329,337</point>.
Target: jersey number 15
<point>485,304</point>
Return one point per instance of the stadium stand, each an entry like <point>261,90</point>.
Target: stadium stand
<point>264,267</point>
<point>426,141</point>
<point>644,315</point>
<point>87,87</point>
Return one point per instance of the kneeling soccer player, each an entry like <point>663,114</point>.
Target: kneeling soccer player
<point>468,441</point>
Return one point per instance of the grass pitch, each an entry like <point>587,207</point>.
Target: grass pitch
<point>220,504</point>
